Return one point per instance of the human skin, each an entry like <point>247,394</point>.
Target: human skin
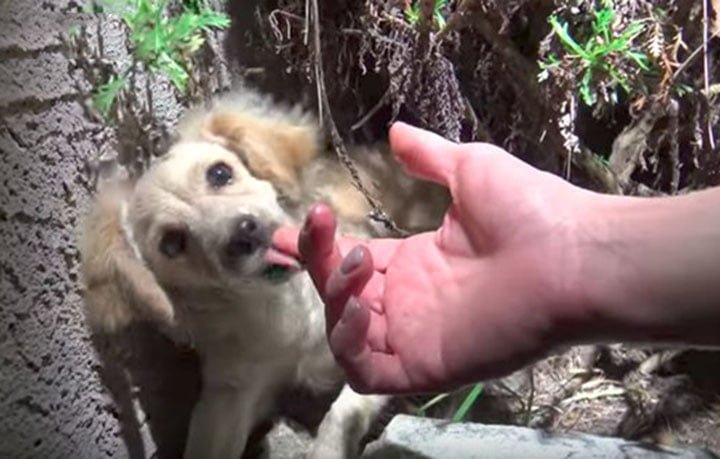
<point>523,262</point>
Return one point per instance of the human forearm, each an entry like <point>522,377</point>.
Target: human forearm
<point>650,270</point>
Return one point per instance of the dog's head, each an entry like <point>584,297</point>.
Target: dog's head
<point>202,217</point>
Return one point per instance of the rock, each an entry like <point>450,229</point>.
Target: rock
<point>412,437</point>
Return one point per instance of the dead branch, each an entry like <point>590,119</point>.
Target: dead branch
<point>380,103</point>
<point>480,131</point>
<point>706,68</point>
<point>425,25</point>
<point>531,396</point>
<point>673,112</point>
<point>689,60</point>
<point>631,143</point>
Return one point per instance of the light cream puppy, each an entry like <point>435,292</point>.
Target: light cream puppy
<point>189,247</point>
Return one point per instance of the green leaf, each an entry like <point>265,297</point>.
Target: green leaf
<point>551,62</point>
<point>149,44</point>
<point>569,42</point>
<point>162,43</point>
<point>183,26</point>
<point>194,44</point>
<point>174,71</point>
<point>73,32</point>
<point>633,30</point>
<point>586,92</point>
<point>440,19</point>
<point>602,25</point>
<point>683,89</point>
<point>617,77</point>
<point>210,19</point>
<point>438,13</point>
<point>104,98</point>
<point>640,59</point>
<point>412,14</point>
<point>468,403</point>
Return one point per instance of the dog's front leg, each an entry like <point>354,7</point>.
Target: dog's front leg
<point>344,426</point>
<point>222,420</point>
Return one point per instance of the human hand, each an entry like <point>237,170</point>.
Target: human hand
<point>476,299</point>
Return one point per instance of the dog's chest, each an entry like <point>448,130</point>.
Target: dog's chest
<point>266,324</point>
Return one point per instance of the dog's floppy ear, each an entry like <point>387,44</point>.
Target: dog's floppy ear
<point>273,149</point>
<point>118,287</point>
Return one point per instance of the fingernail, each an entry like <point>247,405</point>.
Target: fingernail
<point>351,308</point>
<point>352,260</point>
<point>306,223</point>
<point>305,229</point>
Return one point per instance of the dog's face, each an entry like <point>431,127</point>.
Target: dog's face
<point>200,218</point>
<point>199,223</point>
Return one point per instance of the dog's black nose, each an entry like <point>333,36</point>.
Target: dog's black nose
<point>248,235</point>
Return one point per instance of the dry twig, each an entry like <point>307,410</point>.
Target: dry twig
<point>425,25</point>
<point>361,122</point>
<point>531,396</point>
<point>706,67</point>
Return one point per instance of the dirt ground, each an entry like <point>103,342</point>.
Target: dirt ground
<point>628,393</point>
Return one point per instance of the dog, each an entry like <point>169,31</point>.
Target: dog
<point>188,246</point>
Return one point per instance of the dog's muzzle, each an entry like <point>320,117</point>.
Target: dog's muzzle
<point>248,235</point>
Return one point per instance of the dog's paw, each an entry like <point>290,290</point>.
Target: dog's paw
<point>332,443</point>
<point>324,450</point>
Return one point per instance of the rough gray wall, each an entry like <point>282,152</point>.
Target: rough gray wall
<point>52,401</point>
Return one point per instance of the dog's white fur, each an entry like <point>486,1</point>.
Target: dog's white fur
<point>255,337</point>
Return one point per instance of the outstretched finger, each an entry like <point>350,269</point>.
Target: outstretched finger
<point>348,280</point>
<point>367,371</point>
<point>424,154</point>
<point>317,246</point>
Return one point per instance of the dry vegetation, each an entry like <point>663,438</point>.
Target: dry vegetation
<point>644,122</point>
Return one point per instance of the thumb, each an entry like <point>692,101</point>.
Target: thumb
<point>424,154</point>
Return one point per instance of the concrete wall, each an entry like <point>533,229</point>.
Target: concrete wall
<point>52,400</point>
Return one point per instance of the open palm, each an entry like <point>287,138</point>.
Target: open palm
<point>474,299</point>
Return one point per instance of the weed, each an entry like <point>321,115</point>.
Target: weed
<point>412,13</point>
<point>422,411</point>
<point>468,402</point>
<point>601,55</point>
<point>161,42</point>
<point>109,92</point>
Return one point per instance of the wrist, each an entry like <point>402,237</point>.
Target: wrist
<point>645,271</point>
<point>599,278</point>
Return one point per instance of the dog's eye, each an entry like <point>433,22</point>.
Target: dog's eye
<point>173,243</point>
<point>219,175</point>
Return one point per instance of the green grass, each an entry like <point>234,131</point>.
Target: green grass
<point>412,13</point>
<point>468,402</point>
<point>602,52</point>
<point>162,43</point>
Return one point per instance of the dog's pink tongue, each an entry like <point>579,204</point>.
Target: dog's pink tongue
<point>284,251</point>
<point>275,257</point>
